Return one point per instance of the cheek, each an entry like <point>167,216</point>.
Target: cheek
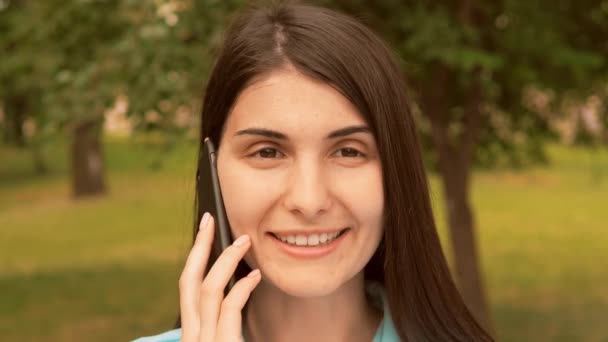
<point>362,194</point>
<point>247,194</point>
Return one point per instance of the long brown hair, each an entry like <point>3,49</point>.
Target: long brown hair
<point>334,48</point>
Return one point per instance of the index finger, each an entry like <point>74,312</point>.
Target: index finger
<point>192,276</point>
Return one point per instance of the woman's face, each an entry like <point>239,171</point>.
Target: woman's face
<point>301,183</point>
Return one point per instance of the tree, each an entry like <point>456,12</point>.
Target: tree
<point>19,98</point>
<point>68,61</point>
<point>59,66</point>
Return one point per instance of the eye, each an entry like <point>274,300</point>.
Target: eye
<point>266,153</point>
<point>351,152</point>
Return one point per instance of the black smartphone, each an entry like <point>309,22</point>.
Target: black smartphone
<point>210,199</point>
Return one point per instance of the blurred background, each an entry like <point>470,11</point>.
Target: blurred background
<point>99,103</point>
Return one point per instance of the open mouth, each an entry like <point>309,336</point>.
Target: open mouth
<point>309,240</point>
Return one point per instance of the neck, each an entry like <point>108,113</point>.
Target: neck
<point>344,315</point>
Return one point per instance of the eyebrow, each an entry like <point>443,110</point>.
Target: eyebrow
<point>342,132</point>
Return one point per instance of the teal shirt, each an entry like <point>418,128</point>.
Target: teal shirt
<point>386,331</point>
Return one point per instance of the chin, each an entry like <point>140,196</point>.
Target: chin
<point>309,290</point>
<point>303,286</point>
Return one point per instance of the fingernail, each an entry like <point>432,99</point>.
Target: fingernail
<point>253,274</point>
<point>241,240</point>
<point>204,221</point>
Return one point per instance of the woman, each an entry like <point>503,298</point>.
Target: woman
<point>325,192</point>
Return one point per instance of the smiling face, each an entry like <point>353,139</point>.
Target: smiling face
<point>300,180</point>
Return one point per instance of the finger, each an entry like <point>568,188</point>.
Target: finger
<point>229,327</point>
<point>212,289</point>
<point>192,277</point>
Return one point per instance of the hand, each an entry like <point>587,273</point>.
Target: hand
<point>205,314</point>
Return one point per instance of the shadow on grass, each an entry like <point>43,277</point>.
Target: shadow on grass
<point>114,303</point>
<point>563,322</point>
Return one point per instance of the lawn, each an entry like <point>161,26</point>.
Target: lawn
<point>107,268</point>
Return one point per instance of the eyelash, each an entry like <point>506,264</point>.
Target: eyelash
<point>360,154</point>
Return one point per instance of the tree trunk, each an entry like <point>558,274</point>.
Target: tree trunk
<point>455,156</point>
<point>462,235</point>
<point>15,109</point>
<point>87,160</point>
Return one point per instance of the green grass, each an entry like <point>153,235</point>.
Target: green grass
<point>543,235</point>
<point>107,268</point>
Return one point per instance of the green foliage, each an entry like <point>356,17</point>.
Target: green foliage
<point>59,58</point>
<point>73,58</point>
<point>166,54</point>
<point>435,36</point>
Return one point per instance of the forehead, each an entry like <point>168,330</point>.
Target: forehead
<point>290,101</point>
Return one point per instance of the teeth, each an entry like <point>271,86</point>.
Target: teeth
<point>311,240</point>
<point>323,238</point>
<point>301,240</point>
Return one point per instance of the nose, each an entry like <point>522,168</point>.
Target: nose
<point>307,194</point>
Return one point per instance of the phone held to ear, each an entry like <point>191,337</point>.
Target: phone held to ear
<point>210,199</point>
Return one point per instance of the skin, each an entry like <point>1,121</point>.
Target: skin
<point>304,182</point>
